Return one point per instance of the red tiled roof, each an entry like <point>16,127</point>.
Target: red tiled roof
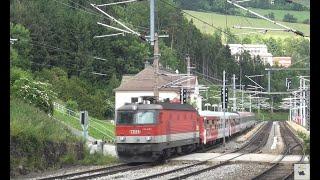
<point>144,81</point>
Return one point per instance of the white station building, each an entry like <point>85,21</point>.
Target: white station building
<point>133,87</point>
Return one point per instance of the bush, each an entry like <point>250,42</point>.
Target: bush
<point>18,73</point>
<point>307,21</point>
<point>306,142</point>
<point>270,16</point>
<point>72,105</point>
<point>289,18</point>
<point>35,92</point>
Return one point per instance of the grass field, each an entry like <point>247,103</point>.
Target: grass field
<point>98,129</point>
<point>278,14</point>
<point>219,20</point>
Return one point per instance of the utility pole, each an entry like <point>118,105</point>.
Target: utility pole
<point>242,91</point>
<point>154,40</point>
<point>271,107</point>
<point>224,107</point>
<point>269,74</point>
<point>188,70</point>
<point>301,102</point>
<point>156,67</point>
<point>304,101</point>
<point>290,110</point>
<point>234,93</point>
<point>250,102</point>
<point>152,27</point>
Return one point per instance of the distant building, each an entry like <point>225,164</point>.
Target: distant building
<point>254,50</point>
<point>282,61</point>
<point>133,87</point>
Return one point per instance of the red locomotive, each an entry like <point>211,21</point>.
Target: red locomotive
<point>151,132</point>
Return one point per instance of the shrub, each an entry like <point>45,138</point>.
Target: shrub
<point>289,18</point>
<point>306,142</point>
<point>72,105</point>
<point>18,73</point>
<point>307,21</point>
<point>35,92</point>
<point>270,15</point>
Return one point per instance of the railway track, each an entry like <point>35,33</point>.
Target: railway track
<point>278,170</point>
<point>94,173</point>
<point>255,143</point>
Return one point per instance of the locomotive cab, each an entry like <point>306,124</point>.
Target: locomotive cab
<point>151,132</point>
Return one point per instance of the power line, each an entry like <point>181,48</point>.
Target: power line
<point>49,65</point>
<point>37,43</point>
<point>90,11</point>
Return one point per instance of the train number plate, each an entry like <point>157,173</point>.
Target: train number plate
<point>135,131</point>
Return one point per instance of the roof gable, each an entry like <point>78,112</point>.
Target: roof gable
<point>144,80</point>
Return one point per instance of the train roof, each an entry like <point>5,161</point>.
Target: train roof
<point>245,114</point>
<point>220,113</point>
<point>167,106</point>
<point>217,113</point>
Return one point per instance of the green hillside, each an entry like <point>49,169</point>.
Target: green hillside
<point>278,14</point>
<point>219,20</point>
<point>38,143</point>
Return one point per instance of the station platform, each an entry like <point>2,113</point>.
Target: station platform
<point>220,157</point>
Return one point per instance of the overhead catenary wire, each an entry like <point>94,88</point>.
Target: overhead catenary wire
<point>90,11</point>
<point>116,3</point>
<point>117,21</point>
<point>274,22</point>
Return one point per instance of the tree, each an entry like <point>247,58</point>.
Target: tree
<point>270,15</point>
<point>289,18</point>
<point>19,51</point>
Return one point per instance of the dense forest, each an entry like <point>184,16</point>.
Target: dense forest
<point>56,45</point>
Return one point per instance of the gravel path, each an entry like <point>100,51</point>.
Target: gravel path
<point>144,172</point>
<point>233,171</point>
<point>58,172</point>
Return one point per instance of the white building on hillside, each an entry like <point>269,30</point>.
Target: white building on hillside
<point>282,61</point>
<point>254,50</point>
<point>133,87</point>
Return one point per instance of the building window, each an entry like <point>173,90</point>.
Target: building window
<point>134,100</point>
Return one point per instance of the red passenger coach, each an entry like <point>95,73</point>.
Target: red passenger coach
<point>150,132</point>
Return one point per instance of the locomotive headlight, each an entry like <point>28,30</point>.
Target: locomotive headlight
<point>148,138</point>
<point>122,138</point>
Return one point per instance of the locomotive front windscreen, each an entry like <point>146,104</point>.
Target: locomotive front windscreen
<point>136,117</point>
